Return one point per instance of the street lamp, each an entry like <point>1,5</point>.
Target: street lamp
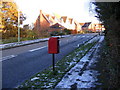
<point>18,26</point>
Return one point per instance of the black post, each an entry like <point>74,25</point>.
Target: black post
<point>53,62</point>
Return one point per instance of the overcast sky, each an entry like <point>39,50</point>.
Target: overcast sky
<point>77,9</point>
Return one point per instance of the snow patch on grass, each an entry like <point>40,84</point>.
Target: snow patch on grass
<point>35,78</point>
<point>49,79</point>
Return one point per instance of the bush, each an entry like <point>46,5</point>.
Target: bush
<point>67,31</point>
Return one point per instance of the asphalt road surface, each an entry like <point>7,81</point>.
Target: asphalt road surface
<point>20,63</point>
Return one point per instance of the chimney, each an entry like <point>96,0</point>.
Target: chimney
<point>40,13</point>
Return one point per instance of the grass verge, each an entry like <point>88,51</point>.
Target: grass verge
<point>49,79</point>
<point>15,39</point>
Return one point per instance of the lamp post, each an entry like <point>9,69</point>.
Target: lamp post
<point>18,26</point>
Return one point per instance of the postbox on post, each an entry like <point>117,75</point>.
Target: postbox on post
<point>53,45</point>
<point>53,48</point>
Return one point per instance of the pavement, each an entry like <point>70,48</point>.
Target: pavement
<point>82,75</point>
<point>17,44</point>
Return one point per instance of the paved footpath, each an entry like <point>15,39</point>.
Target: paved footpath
<point>21,43</point>
<point>82,75</point>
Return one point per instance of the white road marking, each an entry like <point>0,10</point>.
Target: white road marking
<point>83,36</point>
<point>37,49</point>
<point>7,57</point>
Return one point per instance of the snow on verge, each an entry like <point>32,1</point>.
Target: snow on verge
<point>88,78</point>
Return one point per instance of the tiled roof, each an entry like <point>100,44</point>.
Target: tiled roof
<point>46,18</point>
<point>86,24</point>
<point>57,26</point>
<point>49,18</point>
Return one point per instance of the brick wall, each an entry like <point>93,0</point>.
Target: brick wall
<point>41,25</point>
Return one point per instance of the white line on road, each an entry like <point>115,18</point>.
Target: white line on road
<point>7,57</point>
<point>83,36</point>
<point>37,49</point>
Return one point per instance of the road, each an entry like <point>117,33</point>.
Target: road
<point>19,64</point>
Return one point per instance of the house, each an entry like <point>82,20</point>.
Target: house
<point>96,27</point>
<point>46,23</point>
<point>42,23</point>
<point>92,27</point>
<point>70,24</point>
<point>26,27</point>
<point>56,27</point>
<point>86,25</point>
<point>67,22</point>
<point>77,27</point>
<point>81,24</point>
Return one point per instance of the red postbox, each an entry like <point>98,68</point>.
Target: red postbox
<point>53,45</point>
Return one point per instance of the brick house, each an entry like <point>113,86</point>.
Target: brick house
<point>77,27</point>
<point>96,27</point>
<point>71,24</point>
<point>42,23</point>
<point>92,27</point>
<point>45,21</point>
<point>56,27</point>
<point>85,27</point>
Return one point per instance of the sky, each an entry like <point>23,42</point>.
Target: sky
<point>77,9</point>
